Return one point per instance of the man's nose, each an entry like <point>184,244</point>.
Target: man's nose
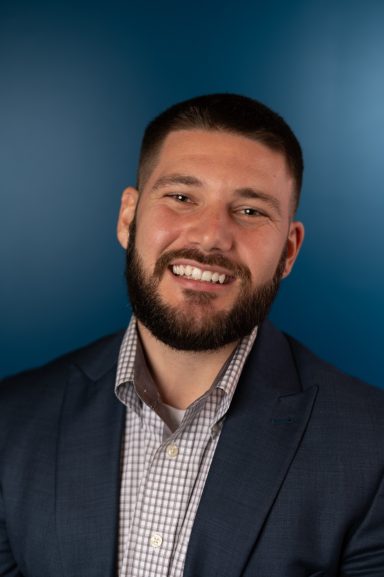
<point>211,230</point>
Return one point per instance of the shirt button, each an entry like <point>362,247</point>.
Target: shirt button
<point>172,451</point>
<point>156,540</point>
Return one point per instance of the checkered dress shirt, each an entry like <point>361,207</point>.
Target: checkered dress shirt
<point>164,467</point>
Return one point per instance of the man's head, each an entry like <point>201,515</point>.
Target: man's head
<point>209,234</point>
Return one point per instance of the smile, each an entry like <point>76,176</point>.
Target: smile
<point>195,273</point>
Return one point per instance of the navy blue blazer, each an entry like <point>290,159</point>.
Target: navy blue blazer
<point>295,488</point>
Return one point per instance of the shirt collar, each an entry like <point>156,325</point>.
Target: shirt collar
<point>132,364</point>
<point>127,355</point>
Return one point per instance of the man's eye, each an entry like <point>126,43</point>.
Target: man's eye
<point>179,197</point>
<point>251,212</point>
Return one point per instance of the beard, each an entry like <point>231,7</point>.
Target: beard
<point>197,326</point>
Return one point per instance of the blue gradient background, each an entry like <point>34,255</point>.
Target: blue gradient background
<point>80,80</point>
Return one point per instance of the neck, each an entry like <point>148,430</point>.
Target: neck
<point>182,376</point>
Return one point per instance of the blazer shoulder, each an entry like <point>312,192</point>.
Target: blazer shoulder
<point>31,402</point>
<point>332,381</point>
<point>93,359</point>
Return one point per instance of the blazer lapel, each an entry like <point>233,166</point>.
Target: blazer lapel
<point>260,437</point>
<point>88,469</point>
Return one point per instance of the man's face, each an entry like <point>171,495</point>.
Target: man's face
<point>213,236</point>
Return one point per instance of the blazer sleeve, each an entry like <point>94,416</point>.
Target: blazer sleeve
<point>8,566</point>
<point>364,553</point>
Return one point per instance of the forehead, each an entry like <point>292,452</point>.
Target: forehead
<point>205,147</point>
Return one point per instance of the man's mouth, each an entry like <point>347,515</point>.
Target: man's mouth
<point>196,273</point>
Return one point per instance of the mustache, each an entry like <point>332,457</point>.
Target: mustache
<point>237,270</point>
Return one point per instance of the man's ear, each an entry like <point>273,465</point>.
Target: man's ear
<point>129,200</point>
<point>294,242</point>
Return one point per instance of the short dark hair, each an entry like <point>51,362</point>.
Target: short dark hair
<point>226,112</point>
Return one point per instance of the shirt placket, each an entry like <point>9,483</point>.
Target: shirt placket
<point>167,483</point>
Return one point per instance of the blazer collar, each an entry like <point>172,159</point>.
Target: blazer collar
<point>88,463</point>
<point>261,434</point>
<point>100,357</point>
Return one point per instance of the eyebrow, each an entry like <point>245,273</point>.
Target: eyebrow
<point>244,192</point>
<point>170,179</point>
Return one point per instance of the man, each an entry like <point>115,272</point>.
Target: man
<point>227,448</point>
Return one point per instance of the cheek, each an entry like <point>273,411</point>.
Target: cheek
<point>154,235</point>
<point>263,259</point>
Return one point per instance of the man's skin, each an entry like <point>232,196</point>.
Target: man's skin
<point>219,193</point>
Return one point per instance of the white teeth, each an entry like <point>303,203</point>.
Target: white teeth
<point>197,274</point>
<point>206,276</point>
